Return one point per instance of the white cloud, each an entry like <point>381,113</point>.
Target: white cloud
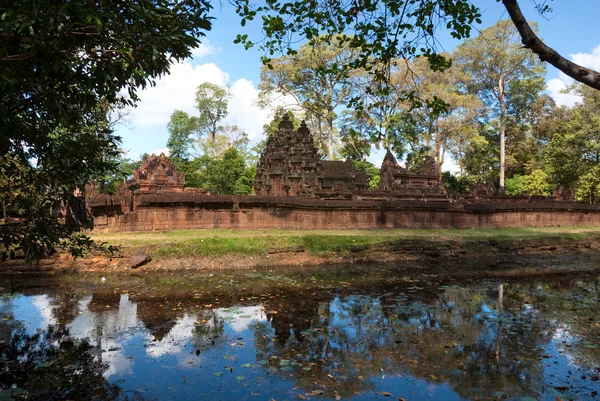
<point>243,110</point>
<point>177,338</point>
<point>451,166</point>
<point>588,60</point>
<point>203,50</point>
<point>175,91</point>
<point>556,85</point>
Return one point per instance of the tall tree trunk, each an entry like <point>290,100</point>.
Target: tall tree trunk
<point>330,118</point>
<point>502,131</point>
<point>330,140</point>
<point>213,138</point>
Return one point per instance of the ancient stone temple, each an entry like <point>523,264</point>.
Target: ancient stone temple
<point>158,173</point>
<point>290,166</point>
<point>424,181</point>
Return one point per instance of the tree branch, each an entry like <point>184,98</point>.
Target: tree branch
<point>531,41</point>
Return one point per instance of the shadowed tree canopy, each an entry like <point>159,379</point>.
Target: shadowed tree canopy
<point>64,66</point>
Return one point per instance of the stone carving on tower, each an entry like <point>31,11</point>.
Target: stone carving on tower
<point>290,166</point>
<point>158,172</point>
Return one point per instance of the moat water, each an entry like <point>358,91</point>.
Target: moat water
<point>352,334</point>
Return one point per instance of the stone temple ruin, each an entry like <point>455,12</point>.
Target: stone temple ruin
<point>158,173</point>
<point>295,189</point>
<point>291,166</point>
<point>423,182</point>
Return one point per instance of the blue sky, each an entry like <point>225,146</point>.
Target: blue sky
<point>572,29</point>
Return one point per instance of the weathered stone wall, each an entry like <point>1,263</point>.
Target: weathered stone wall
<point>156,211</point>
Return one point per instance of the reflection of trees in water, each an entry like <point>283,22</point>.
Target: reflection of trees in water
<point>53,366</point>
<point>482,341</point>
<point>208,330</point>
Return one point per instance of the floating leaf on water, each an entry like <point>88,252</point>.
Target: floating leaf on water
<point>284,362</point>
<point>262,362</point>
<point>245,316</point>
<point>246,365</point>
<point>287,368</point>
<point>240,378</point>
<point>218,374</point>
<point>229,368</point>
<point>385,393</point>
<point>307,368</point>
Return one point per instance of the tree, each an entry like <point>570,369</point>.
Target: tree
<point>229,175</point>
<point>531,41</point>
<point>124,170</point>
<point>64,67</point>
<point>501,71</point>
<point>387,30</point>
<point>535,183</point>
<point>311,77</point>
<point>181,127</point>
<point>211,102</point>
<point>231,136</point>
<point>574,148</point>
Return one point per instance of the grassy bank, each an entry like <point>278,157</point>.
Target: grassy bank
<point>218,243</point>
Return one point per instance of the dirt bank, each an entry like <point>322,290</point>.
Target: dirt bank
<point>471,257</point>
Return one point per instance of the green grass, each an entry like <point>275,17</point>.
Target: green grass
<point>216,243</point>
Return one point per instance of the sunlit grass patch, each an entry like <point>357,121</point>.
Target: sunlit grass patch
<point>220,242</point>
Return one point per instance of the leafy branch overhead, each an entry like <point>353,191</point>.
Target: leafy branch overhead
<point>383,31</point>
<point>64,67</point>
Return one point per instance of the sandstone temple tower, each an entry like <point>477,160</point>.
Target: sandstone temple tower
<point>290,166</point>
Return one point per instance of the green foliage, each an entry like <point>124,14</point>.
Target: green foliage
<point>108,183</point>
<point>514,185</point>
<point>372,171</point>
<point>382,31</point>
<point>273,127</point>
<point>535,184</point>
<point>64,67</point>
<point>574,148</point>
<point>211,102</point>
<point>456,184</point>
<point>588,186</point>
<point>228,175</point>
<point>181,127</point>
<point>311,76</point>
<point>185,131</point>
<point>508,79</point>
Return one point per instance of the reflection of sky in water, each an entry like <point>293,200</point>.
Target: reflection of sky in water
<point>193,359</point>
<point>35,311</point>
